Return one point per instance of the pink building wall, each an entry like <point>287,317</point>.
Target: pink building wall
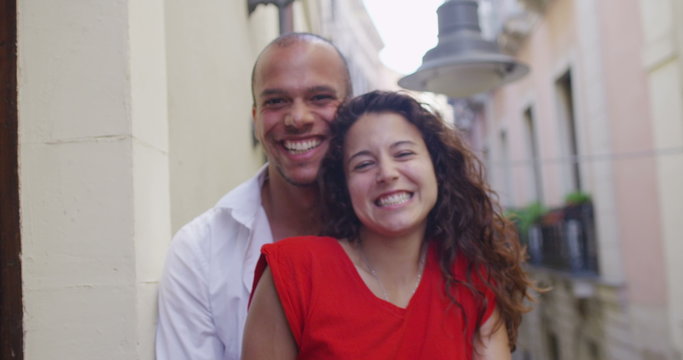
<point>634,149</point>
<point>627,123</point>
<point>551,49</point>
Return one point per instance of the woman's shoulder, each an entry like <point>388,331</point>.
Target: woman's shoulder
<point>465,268</point>
<point>299,259</point>
<point>302,246</point>
<point>296,242</point>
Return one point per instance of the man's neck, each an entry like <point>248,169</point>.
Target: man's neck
<point>290,208</point>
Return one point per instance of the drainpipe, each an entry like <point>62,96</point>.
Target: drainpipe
<point>284,12</point>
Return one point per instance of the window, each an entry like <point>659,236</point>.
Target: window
<point>507,169</point>
<point>533,156</point>
<point>568,134</point>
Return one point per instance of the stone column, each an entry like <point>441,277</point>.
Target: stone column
<point>94,181</point>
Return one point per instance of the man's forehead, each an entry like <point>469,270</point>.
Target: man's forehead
<point>299,42</point>
<point>276,53</point>
<point>315,89</point>
<point>295,65</point>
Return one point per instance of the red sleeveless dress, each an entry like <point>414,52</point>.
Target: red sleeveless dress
<point>333,315</point>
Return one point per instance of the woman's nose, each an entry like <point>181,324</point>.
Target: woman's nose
<point>386,171</point>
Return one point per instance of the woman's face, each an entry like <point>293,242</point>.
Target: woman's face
<point>389,174</point>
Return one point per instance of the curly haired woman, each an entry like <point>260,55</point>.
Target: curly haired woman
<point>416,261</point>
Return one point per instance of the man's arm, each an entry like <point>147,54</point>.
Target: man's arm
<point>492,345</point>
<point>185,328</point>
<point>266,333</point>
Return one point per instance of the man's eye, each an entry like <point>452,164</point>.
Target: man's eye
<point>322,98</point>
<point>274,102</point>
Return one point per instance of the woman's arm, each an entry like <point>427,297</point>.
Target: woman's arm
<point>492,345</point>
<point>266,333</point>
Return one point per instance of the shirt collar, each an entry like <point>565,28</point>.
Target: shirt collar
<point>244,201</point>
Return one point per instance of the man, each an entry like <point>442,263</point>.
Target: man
<point>297,83</point>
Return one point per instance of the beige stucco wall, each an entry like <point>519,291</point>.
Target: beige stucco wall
<point>355,35</point>
<point>211,48</point>
<point>134,117</point>
<point>94,176</point>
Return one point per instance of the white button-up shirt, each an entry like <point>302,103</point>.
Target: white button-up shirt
<point>207,279</point>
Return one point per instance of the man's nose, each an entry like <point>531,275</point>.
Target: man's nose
<point>299,116</point>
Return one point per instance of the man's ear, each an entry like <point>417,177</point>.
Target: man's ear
<point>254,137</point>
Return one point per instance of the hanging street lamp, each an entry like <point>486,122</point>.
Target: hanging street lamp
<point>463,63</point>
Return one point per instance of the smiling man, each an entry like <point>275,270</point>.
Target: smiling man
<point>298,82</point>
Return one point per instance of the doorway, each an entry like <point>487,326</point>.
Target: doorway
<point>11,311</point>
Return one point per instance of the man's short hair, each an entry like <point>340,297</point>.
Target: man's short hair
<point>291,38</point>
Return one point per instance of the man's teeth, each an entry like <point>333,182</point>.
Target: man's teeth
<point>394,199</point>
<point>298,147</point>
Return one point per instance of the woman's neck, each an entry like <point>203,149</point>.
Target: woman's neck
<point>392,266</point>
<point>391,251</point>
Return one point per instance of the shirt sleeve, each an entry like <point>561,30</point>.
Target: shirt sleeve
<point>185,328</point>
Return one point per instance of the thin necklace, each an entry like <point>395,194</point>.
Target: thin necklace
<point>373,272</point>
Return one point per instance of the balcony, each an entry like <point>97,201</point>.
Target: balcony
<point>563,239</point>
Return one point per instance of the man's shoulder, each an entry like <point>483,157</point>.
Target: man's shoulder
<point>202,225</point>
<point>197,236</point>
<point>236,209</point>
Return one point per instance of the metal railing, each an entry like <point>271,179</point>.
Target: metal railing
<point>564,239</point>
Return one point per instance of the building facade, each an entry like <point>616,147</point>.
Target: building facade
<point>133,117</point>
<point>588,151</point>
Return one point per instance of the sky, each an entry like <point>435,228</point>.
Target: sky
<point>409,28</point>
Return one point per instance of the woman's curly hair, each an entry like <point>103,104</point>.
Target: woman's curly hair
<point>466,219</point>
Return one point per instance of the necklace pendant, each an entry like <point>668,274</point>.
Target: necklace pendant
<point>373,272</point>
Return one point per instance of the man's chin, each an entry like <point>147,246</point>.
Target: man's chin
<point>301,184</point>
<point>299,181</point>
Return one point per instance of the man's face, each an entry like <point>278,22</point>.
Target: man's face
<point>297,90</point>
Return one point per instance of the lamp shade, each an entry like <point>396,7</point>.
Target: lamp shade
<point>463,63</point>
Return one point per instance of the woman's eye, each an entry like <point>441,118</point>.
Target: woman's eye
<point>403,154</point>
<point>362,165</point>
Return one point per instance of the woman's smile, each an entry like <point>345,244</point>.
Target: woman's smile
<point>394,199</point>
<point>389,173</point>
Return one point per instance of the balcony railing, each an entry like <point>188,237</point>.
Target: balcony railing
<point>564,239</point>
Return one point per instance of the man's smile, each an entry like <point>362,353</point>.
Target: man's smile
<point>302,145</point>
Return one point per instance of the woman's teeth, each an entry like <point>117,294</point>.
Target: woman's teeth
<point>393,199</point>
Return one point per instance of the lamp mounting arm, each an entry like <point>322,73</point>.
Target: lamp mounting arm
<point>281,4</point>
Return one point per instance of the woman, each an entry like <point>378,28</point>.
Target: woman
<point>417,263</point>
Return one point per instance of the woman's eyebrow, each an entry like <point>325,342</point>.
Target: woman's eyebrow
<point>401,142</point>
<point>360,153</point>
